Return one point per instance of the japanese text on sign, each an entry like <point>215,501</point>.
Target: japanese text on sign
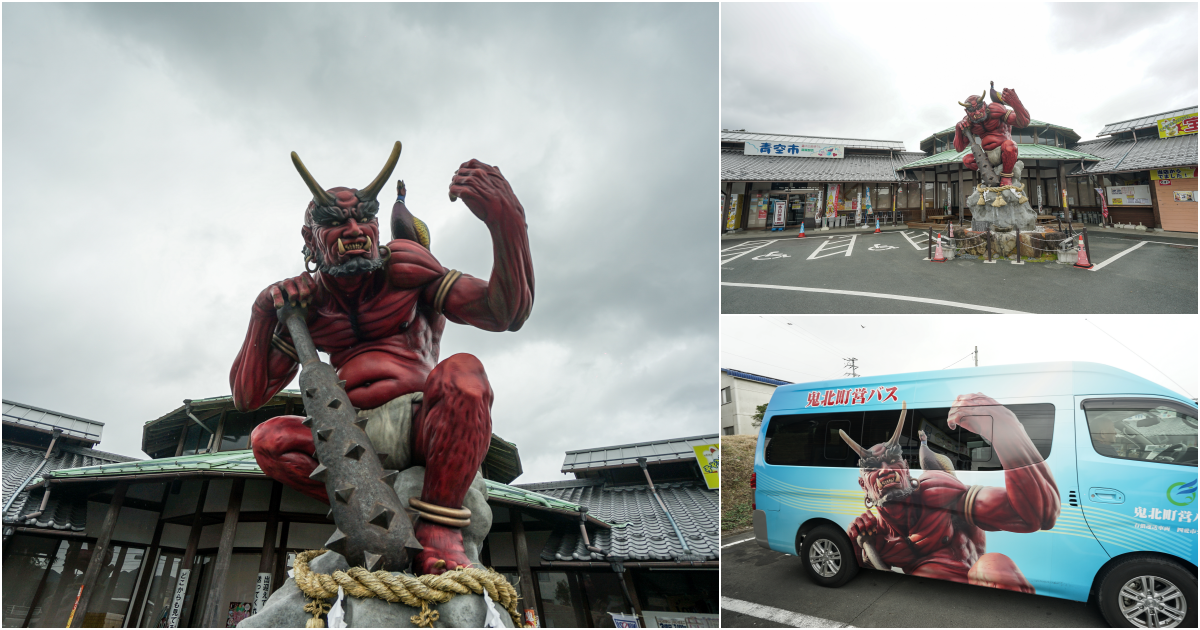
<point>1172,173</point>
<point>794,149</point>
<point>852,396</point>
<point>1177,125</point>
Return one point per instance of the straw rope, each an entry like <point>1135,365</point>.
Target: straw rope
<point>416,591</point>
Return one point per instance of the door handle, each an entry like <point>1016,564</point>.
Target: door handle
<point>1106,495</point>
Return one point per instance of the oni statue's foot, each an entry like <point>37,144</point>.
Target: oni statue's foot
<point>443,549</point>
<point>1004,181</point>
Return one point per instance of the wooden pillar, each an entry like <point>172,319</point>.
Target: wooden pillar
<point>42,586</point>
<point>103,544</point>
<point>110,579</point>
<point>151,559</point>
<point>962,194</point>
<point>189,554</point>
<point>212,615</point>
<point>522,552</point>
<point>266,561</point>
<point>182,436</point>
<point>1062,185</point>
<point>637,604</point>
<point>1157,220</point>
<point>281,555</point>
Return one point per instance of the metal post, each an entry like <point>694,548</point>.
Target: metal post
<point>1087,248</point>
<point>1018,260</point>
<point>988,237</point>
<point>929,245</point>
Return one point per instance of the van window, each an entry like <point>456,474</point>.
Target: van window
<point>1143,429</point>
<point>814,439</point>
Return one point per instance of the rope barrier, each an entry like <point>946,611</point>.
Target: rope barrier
<point>416,591</point>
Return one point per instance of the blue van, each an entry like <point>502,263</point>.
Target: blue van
<point>1064,479</point>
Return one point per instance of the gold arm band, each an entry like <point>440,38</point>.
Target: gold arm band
<point>448,280</point>
<point>968,510</point>
<point>421,506</point>
<point>284,347</point>
<point>444,520</point>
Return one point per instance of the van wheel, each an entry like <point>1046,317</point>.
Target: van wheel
<point>1148,593</point>
<point>828,557</point>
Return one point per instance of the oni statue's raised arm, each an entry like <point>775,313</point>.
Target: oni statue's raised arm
<point>992,124</point>
<point>378,310</point>
<point>934,526</point>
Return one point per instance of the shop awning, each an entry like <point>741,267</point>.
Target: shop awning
<point>1024,152</point>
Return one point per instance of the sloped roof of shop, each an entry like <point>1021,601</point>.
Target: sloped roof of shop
<point>754,377</point>
<point>853,168</point>
<point>849,143</point>
<point>658,451</point>
<point>242,463</point>
<point>641,531</point>
<point>163,432</point>
<point>1142,122</point>
<point>1070,133</point>
<point>1127,155</point>
<point>1024,151</point>
<point>46,421</point>
<point>20,461</point>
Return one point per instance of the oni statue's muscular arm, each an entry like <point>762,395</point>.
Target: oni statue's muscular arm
<point>505,300</point>
<point>261,368</point>
<point>1019,116</point>
<point>960,134</point>
<point>1029,500</point>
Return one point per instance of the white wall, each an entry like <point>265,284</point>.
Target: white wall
<point>745,396</point>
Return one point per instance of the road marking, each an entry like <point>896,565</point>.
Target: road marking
<point>778,615</point>
<point>737,542</point>
<point>830,244</point>
<point>880,247</point>
<point>886,296</point>
<point>770,256</point>
<point>745,248</point>
<point>1100,266</point>
<point>913,243</point>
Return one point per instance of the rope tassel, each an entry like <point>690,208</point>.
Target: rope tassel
<point>999,201</point>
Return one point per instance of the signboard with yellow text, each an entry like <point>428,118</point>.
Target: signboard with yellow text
<point>709,458</point>
<point>1177,125</point>
<point>1172,173</point>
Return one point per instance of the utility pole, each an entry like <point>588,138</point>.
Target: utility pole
<point>853,373</point>
<point>976,356</point>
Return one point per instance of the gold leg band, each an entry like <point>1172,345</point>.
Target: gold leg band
<point>440,510</point>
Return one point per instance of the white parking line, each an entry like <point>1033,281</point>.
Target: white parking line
<point>737,542</point>
<point>886,296</point>
<point>778,615</point>
<point>829,244</point>
<point>913,243</point>
<point>1099,266</point>
<point>741,250</point>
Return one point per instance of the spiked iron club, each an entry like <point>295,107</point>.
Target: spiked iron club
<point>373,530</point>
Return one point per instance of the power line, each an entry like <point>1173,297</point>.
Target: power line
<point>1181,387</point>
<point>773,365</point>
<point>959,361</point>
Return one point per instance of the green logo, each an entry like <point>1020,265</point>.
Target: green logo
<point>1186,490</point>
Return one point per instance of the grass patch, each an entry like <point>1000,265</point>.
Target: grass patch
<point>737,464</point>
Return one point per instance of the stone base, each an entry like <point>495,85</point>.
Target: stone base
<point>285,607</point>
<point>1033,244</point>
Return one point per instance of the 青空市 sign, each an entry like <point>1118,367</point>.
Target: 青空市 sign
<point>794,149</point>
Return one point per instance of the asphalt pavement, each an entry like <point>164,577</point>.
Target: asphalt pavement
<point>887,273</point>
<point>761,588</point>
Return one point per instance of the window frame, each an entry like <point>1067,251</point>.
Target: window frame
<point>1136,402</point>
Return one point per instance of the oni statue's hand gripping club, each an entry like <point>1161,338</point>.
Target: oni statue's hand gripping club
<point>373,530</point>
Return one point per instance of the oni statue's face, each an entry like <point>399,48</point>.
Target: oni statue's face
<point>883,474</point>
<point>343,239</point>
<point>976,108</point>
<point>882,471</point>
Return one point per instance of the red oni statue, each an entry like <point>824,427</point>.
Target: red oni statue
<point>379,311</point>
<point>934,526</point>
<point>992,124</point>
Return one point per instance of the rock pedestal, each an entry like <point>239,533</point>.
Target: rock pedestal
<point>285,608</point>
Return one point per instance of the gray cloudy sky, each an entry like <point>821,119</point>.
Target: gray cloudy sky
<point>801,349</point>
<point>895,71</point>
<point>149,197</point>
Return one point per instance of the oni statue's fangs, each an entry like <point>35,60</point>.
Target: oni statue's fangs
<point>378,310</point>
<point>934,526</point>
<point>992,124</point>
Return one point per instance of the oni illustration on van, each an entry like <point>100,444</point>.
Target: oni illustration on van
<point>1068,479</point>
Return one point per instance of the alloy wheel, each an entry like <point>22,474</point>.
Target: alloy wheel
<point>1149,601</point>
<point>825,558</point>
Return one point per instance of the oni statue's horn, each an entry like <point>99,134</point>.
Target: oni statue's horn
<point>372,189</point>
<point>319,195</point>
<point>899,426</point>
<point>962,104</point>
<point>854,445</point>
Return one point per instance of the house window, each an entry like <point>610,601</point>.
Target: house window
<point>726,396</point>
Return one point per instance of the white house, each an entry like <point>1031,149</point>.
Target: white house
<point>741,394</point>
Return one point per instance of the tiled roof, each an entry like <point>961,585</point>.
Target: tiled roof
<point>626,454</point>
<point>852,168</point>
<point>849,143</point>
<point>755,377</point>
<point>641,532</point>
<point>1032,123</point>
<point>1144,121</point>
<point>20,461</point>
<point>1126,155</point>
<point>46,421</point>
<point>1024,151</point>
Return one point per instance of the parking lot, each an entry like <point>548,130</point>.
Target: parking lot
<point>761,588</point>
<point>889,273</point>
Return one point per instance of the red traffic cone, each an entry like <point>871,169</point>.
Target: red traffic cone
<point>876,225</point>
<point>1082,262</point>
<point>938,256</point>
<point>801,234</point>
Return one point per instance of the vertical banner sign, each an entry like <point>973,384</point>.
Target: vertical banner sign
<point>832,203</point>
<point>1039,198</point>
<point>262,590</point>
<point>709,458</point>
<point>858,208</point>
<point>1103,204</point>
<point>177,599</point>
<point>731,223</point>
<point>780,209</point>
<point>531,619</point>
<point>870,210</point>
